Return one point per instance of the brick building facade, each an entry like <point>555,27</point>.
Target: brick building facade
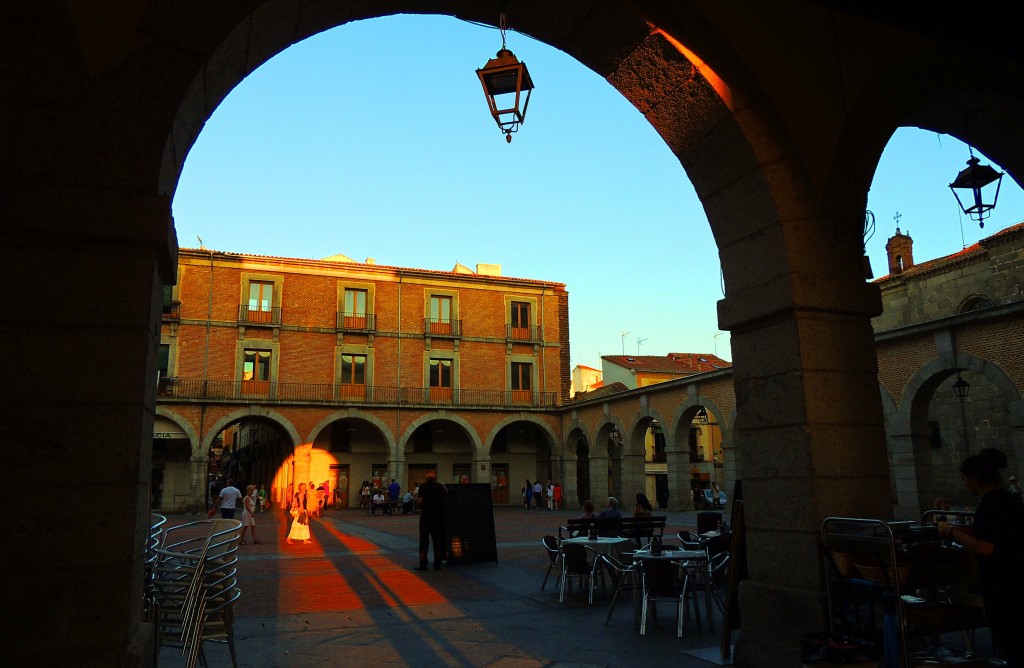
<point>386,372</point>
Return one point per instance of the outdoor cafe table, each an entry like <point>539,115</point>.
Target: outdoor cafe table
<point>610,545</point>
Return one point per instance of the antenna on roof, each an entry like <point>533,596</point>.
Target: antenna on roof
<point>200,240</point>
<point>638,342</point>
<point>623,336</point>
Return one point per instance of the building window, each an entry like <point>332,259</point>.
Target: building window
<point>440,380</point>
<point>261,301</point>
<point>353,376</point>
<point>975,303</point>
<point>163,360</point>
<point>354,315</point>
<point>256,372</point>
<point>519,321</point>
<point>440,314</point>
<point>521,382</point>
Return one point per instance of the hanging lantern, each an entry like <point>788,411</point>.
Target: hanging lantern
<point>506,83</point>
<point>973,181</point>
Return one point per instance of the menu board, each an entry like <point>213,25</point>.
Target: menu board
<point>469,524</point>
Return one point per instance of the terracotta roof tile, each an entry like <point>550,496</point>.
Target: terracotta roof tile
<point>679,363</point>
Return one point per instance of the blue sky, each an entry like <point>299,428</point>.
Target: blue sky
<point>374,140</point>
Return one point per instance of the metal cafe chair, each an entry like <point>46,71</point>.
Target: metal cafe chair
<point>196,586</point>
<point>580,562</point>
<point>552,547</point>
<point>662,580</point>
<point>625,578</point>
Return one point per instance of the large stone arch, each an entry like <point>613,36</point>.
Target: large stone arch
<point>101,126</point>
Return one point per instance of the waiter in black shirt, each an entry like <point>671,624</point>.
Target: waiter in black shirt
<point>431,501</point>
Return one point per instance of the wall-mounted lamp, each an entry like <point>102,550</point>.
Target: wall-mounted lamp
<point>961,387</point>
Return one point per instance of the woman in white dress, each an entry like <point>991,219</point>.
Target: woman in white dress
<point>300,519</point>
<point>249,513</point>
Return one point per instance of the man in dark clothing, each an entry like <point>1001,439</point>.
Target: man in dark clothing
<point>431,500</point>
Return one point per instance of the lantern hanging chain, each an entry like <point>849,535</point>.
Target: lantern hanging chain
<point>502,27</point>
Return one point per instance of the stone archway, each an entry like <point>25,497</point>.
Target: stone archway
<point>931,432</point>
<point>776,140</point>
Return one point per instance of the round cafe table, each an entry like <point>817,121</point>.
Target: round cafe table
<point>610,545</point>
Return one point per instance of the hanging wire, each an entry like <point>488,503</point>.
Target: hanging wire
<point>502,18</point>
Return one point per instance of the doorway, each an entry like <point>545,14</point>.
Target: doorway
<point>339,483</point>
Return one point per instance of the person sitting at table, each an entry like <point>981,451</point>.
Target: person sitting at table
<point>588,510</point>
<point>611,509</point>
<point>377,503</point>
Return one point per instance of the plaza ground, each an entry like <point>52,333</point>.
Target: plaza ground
<point>352,598</point>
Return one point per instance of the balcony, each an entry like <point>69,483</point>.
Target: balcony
<point>443,327</point>
<point>356,322</point>
<point>270,392</point>
<point>172,311</point>
<point>516,333</point>
<point>259,317</point>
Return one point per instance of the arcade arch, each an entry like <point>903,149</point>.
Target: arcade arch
<point>932,430</point>
<point>359,446</point>
<point>521,448</point>
<point>776,144</point>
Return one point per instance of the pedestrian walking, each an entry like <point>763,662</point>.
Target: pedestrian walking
<point>227,501</point>
<point>249,503</point>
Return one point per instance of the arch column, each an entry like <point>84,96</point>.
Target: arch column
<point>679,494</point>
<point>91,430</point>
<point>809,429</point>
<point>903,446</point>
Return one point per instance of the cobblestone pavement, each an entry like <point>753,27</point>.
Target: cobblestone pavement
<point>352,598</point>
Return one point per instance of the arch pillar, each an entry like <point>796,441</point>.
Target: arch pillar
<point>680,496</point>
<point>809,429</point>
<point>904,461</point>
<point>303,459</point>
<point>57,243</point>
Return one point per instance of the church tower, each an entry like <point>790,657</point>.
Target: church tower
<point>900,249</point>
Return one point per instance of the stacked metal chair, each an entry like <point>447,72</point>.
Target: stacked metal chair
<point>195,583</point>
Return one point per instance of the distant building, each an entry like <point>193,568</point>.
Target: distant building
<point>585,379</point>
<point>635,371</point>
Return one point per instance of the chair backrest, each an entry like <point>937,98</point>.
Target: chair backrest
<point>551,544</point>
<point>661,577</point>
<point>616,565</point>
<point>690,540</point>
<point>717,544</point>
<point>718,566</point>
<point>576,558</point>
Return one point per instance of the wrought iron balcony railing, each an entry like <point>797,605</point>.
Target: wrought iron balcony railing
<point>357,322</point>
<point>172,311</point>
<point>248,315</point>
<point>442,327</point>
<point>283,393</point>
<point>516,333</point>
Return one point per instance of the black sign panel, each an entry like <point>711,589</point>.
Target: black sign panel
<point>469,524</point>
